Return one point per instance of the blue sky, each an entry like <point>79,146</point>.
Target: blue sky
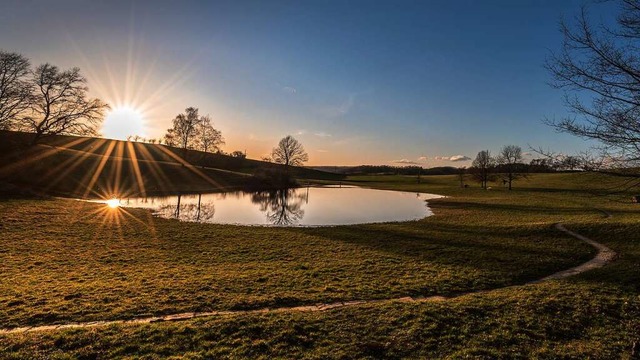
<point>357,82</point>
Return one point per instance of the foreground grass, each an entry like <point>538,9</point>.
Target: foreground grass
<point>478,240</point>
<point>546,321</point>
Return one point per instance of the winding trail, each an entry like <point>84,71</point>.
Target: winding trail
<point>604,256</point>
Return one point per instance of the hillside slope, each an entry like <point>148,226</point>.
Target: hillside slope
<point>95,167</point>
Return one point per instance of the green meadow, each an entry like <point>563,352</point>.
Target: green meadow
<point>319,180</point>
<point>66,261</point>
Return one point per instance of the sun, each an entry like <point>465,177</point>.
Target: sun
<point>113,203</point>
<point>123,121</point>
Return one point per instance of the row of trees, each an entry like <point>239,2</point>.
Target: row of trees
<point>508,166</point>
<point>45,100</point>
<point>193,131</point>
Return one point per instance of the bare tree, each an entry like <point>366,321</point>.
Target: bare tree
<point>208,139</point>
<point>289,152</point>
<point>184,127</point>
<point>510,164</point>
<point>15,89</point>
<point>602,63</point>
<point>59,104</point>
<point>184,130</point>
<point>482,166</point>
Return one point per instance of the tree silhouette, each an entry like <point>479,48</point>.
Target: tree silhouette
<point>59,104</point>
<point>482,166</point>
<point>192,131</point>
<point>510,164</point>
<point>599,69</point>
<point>289,152</point>
<point>182,133</point>
<point>208,139</point>
<point>15,89</point>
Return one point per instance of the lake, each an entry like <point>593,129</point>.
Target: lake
<point>312,206</point>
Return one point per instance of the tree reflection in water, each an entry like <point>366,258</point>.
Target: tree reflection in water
<point>331,206</point>
<point>200,212</point>
<point>282,207</point>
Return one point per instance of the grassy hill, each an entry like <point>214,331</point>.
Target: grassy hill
<point>89,167</point>
<point>66,261</point>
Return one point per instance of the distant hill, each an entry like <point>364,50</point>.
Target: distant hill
<point>84,166</point>
<point>385,169</point>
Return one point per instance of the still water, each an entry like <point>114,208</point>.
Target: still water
<point>313,206</point>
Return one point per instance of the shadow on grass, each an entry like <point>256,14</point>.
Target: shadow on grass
<point>520,254</point>
<point>524,209</point>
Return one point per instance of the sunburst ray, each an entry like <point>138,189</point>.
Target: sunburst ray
<point>136,168</point>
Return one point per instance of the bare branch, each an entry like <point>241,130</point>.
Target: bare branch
<point>599,70</point>
<point>59,104</point>
<point>15,89</point>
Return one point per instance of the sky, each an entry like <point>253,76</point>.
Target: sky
<point>356,82</point>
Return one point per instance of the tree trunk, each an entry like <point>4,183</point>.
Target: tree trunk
<point>36,137</point>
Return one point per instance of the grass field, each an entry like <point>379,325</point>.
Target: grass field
<point>66,261</point>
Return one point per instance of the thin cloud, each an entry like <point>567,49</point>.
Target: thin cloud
<point>289,89</point>
<point>454,158</point>
<point>405,161</point>
<point>459,158</point>
<point>423,158</point>
<point>322,134</point>
<point>322,151</point>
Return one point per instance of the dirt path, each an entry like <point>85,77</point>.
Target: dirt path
<point>604,256</point>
